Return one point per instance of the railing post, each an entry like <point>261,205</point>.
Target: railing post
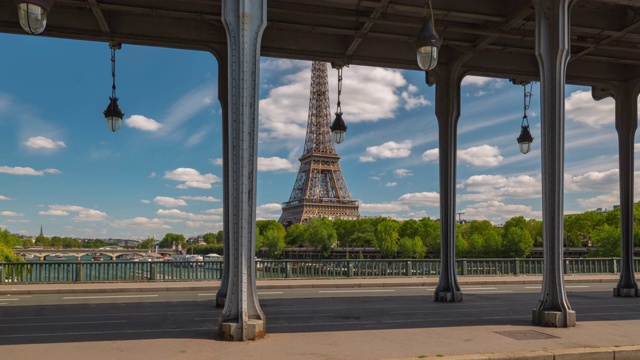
<point>288,269</point>
<point>408,268</point>
<point>464,267</point>
<point>566,266</point>
<point>2,278</point>
<point>349,268</point>
<point>516,264</point>
<point>152,271</point>
<point>79,272</point>
<point>614,268</point>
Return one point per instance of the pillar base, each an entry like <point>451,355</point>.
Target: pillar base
<point>220,300</point>
<point>626,292</point>
<point>232,331</point>
<point>550,318</point>
<point>448,296</point>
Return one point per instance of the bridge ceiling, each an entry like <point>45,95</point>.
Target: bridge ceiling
<point>605,34</point>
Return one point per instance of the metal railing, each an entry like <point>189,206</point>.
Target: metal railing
<point>136,271</point>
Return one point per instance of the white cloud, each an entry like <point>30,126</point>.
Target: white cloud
<point>83,214</point>
<point>384,207</point>
<point>431,155</point>
<point>497,187</point>
<point>17,170</point>
<point>581,107</point>
<point>40,142</point>
<point>600,201</point>
<point>53,212</point>
<point>388,150</point>
<point>141,223</point>
<point>275,164</point>
<point>145,201</point>
<point>191,178</point>
<point>2,197</point>
<point>186,215</point>
<point>217,161</point>
<point>186,107</point>
<point>200,198</point>
<point>421,199</point>
<point>473,80</point>
<point>593,181</point>
<point>10,213</point>
<point>142,123</point>
<point>268,211</point>
<point>402,173</point>
<point>498,212</point>
<point>169,201</point>
<point>484,155</point>
<point>391,184</point>
<point>412,102</point>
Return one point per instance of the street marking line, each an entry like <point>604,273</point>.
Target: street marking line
<point>270,292</point>
<point>107,297</point>
<point>352,291</point>
<point>533,287</point>
<point>206,294</point>
<point>9,299</point>
<point>491,291</point>
<point>103,332</point>
<point>66,323</point>
<point>480,288</point>
<point>439,310</point>
<point>577,286</point>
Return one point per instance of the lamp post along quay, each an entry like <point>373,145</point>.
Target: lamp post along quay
<point>591,43</point>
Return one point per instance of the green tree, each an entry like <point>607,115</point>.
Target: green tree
<point>42,240</point>
<point>410,228</point>
<point>431,236</point>
<point>295,235</point>
<point>387,237</point>
<point>411,248</point>
<point>607,241</point>
<point>271,235</point>
<point>7,255</point>
<point>171,240</point>
<point>148,244</point>
<point>8,239</point>
<point>517,242</point>
<point>321,235</point>
<point>210,238</point>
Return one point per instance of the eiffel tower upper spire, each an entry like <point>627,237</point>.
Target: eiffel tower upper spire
<point>320,189</point>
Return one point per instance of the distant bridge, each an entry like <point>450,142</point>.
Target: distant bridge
<point>111,253</point>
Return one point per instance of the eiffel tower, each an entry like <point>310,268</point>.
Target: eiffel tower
<point>320,189</point>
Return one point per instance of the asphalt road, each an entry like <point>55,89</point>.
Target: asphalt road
<point>58,318</point>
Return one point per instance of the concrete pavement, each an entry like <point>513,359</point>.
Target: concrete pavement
<point>608,337</point>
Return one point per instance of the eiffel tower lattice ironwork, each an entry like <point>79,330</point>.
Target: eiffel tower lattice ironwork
<point>320,189</point>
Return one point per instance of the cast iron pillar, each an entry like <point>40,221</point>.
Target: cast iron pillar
<point>552,49</point>
<point>223,98</point>
<point>244,22</point>
<point>626,97</point>
<point>447,80</point>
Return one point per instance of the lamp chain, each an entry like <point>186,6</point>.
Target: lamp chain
<point>113,72</point>
<point>428,2</point>
<point>527,102</point>
<point>339,108</point>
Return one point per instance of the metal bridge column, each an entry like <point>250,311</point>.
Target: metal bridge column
<point>447,80</point>
<point>552,49</point>
<point>244,21</point>
<point>626,97</point>
<point>223,97</point>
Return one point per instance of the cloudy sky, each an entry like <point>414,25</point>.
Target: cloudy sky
<point>60,167</point>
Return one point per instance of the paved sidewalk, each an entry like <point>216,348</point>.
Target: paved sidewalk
<point>597,339</point>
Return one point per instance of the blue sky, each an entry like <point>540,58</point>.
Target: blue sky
<point>60,167</point>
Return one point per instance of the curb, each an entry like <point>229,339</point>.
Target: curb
<point>606,353</point>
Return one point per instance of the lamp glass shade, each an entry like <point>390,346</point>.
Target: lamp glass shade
<point>113,123</point>
<point>525,139</point>
<point>427,45</point>
<point>338,136</point>
<point>427,57</point>
<point>338,128</point>
<point>113,114</point>
<point>33,18</point>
